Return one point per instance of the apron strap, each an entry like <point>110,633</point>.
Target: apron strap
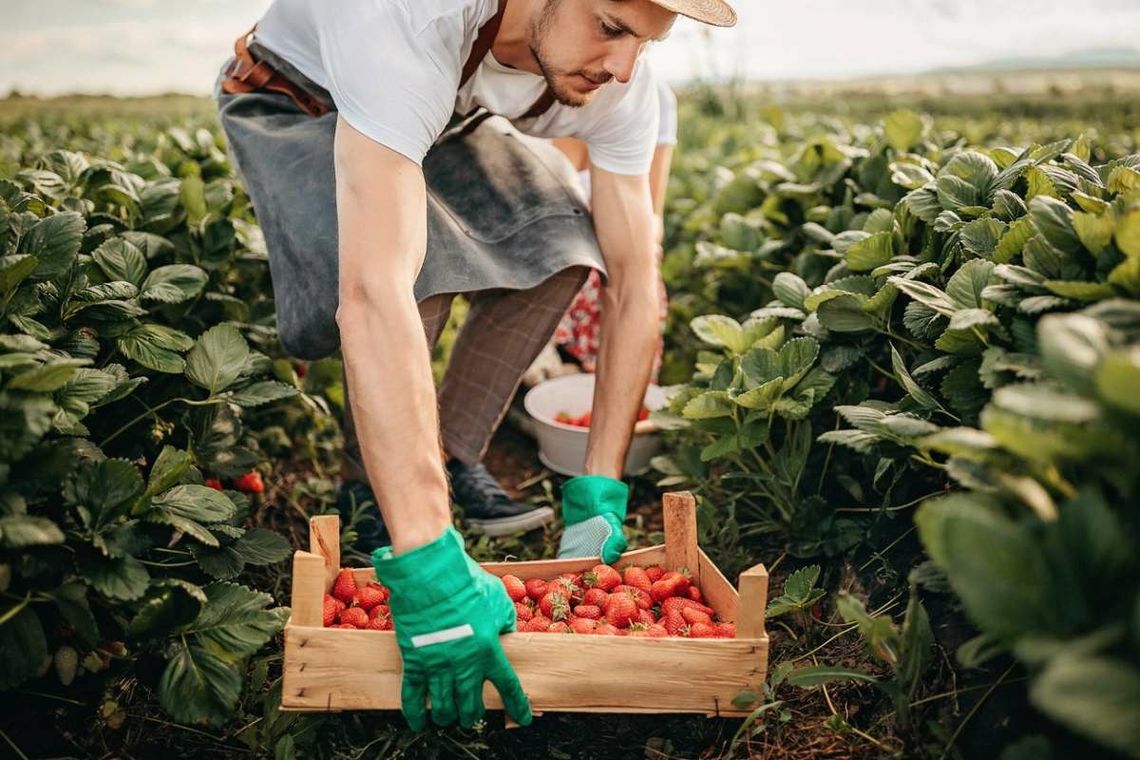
<point>479,51</point>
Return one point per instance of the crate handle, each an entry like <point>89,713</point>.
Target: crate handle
<point>680,512</point>
<point>324,540</point>
<point>753,603</point>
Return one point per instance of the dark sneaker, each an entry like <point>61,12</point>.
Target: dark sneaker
<point>486,506</point>
<point>358,507</point>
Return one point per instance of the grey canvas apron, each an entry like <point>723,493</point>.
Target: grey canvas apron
<point>504,210</point>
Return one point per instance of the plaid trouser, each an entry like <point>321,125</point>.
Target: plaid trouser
<point>503,333</point>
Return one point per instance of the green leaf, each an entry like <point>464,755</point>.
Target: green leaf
<point>966,180</point>
<point>790,289</point>
<point>1054,220</point>
<point>263,547</point>
<point>168,469</point>
<point>171,604</point>
<point>156,347</point>
<point>921,396</point>
<point>871,252</point>
<point>120,260</point>
<point>719,330</point>
<point>709,405</point>
<point>23,422</point>
<point>121,578</point>
<point>14,270</point>
<point>966,285</point>
<point>800,584</point>
<point>174,283</point>
<point>845,313</point>
<point>198,686</point>
<point>903,130</point>
<point>817,675</point>
<point>263,393</point>
<point>193,502</point>
<point>1045,403</point>
<point>23,647</point>
<point>762,396</point>
<point>1128,233</point>
<point>1094,230</point>
<point>980,237</point>
<point>47,377</point>
<point>71,600</point>
<point>995,565</point>
<point>108,487</point>
<point>217,358</point>
<point>1097,696</point>
<point>1118,379</point>
<point>18,531</point>
<point>54,241</point>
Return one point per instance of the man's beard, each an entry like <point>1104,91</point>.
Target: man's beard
<point>554,76</point>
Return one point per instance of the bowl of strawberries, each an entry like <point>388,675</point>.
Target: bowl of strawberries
<point>561,410</point>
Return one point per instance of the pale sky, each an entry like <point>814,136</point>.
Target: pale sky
<point>149,46</point>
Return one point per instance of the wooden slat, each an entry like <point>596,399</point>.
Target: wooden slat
<point>307,600</point>
<point>339,669</point>
<point>718,592</point>
<point>324,539</point>
<point>680,511</point>
<point>546,568</point>
<point>753,603</point>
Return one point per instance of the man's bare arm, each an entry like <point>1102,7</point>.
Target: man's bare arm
<point>624,222</point>
<point>382,221</point>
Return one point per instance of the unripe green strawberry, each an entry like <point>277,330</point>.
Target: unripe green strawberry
<point>66,663</point>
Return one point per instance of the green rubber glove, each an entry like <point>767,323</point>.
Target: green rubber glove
<point>448,614</point>
<point>593,509</point>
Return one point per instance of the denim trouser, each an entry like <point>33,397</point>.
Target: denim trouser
<point>507,226</point>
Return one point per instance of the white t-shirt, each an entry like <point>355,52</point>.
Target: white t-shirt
<point>393,69</point>
<point>666,129</point>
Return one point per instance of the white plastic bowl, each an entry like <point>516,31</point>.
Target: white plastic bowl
<point>562,447</point>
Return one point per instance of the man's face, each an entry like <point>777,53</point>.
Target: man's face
<point>582,44</point>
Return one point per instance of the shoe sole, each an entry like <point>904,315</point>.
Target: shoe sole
<point>506,526</point>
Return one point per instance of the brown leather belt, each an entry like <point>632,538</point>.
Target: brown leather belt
<point>250,74</point>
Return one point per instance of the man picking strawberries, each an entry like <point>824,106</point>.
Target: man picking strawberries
<point>360,130</point>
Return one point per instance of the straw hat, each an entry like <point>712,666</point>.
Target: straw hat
<point>715,12</point>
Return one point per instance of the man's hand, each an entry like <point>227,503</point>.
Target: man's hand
<point>593,509</point>
<point>448,614</point>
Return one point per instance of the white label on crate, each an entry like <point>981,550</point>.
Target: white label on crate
<point>447,634</point>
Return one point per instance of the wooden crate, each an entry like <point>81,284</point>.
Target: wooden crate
<point>333,669</point>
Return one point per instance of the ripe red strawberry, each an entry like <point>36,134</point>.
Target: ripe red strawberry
<point>726,630</point>
<point>595,597</point>
<point>523,612</point>
<point>646,616</point>
<point>692,616</point>
<point>535,588</point>
<point>695,594</point>
<point>636,577</point>
<point>559,626</point>
<point>538,624</point>
<point>673,623</point>
<point>516,589</point>
<point>330,610</point>
<point>657,631</point>
<point>343,625</point>
<point>620,610</point>
<point>379,610</point>
<point>603,577</point>
<point>380,623</point>
<point>640,598</point>
<point>356,616</point>
<point>554,605</point>
<point>369,596</point>
<point>654,572</point>
<point>214,483</point>
<point>344,588</point>
<point>575,578</point>
<point>702,631</point>
<point>582,625</point>
<point>569,589</point>
<point>604,628</point>
<point>677,603</point>
<point>250,482</point>
<point>640,630</point>
<point>588,611</point>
